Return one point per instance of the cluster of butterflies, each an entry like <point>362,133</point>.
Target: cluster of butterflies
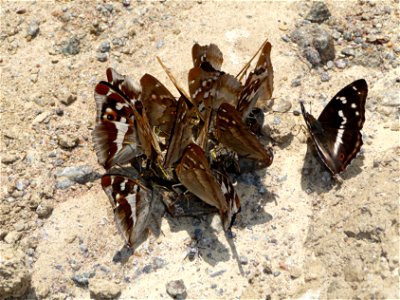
<point>184,149</point>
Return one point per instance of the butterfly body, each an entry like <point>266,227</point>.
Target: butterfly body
<point>336,134</point>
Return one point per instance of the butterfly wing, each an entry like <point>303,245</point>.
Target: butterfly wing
<point>132,203</point>
<point>231,198</point>
<point>258,84</point>
<point>336,134</point>
<point>114,136</point>
<point>159,103</point>
<point>209,53</point>
<point>182,133</point>
<point>194,172</point>
<point>233,133</point>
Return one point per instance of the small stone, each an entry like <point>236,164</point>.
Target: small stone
<point>102,57</point>
<point>312,55</point>
<point>79,174</point>
<point>324,77</point>
<point>176,289</point>
<point>267,267</point>
<point>71,46</point>
<point>22,184</point>
<point>44,210</point>
<point>126,3</point>
<point>159,262</point>
<point>43,117</point>
<point>282,106</point>
<point>104,47</point>
<point>276,273</point>
<point>104,289</point>
<point>329,65</point>
<point>67,141</point>
<point>8,159</point>
<point>296,82</point>
<point>67,97</point>
<point>33,30</point>
<point>64,184</point>
<point>348,52</point>
<point>318,13</point>
<point>160,43</point>
<point>81,279</point>
<point>340,63</point>
<point>21,11</point>
<point>147,269</point>
<point>243,260</point>
<point>295,272</point>
<point>12,237</point>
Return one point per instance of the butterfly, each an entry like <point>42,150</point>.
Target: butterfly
<point>259,82</point>
<point>194,172</point>
<point>336,133</point>
<point>123,131</point>
<point>231,131</point>
<point>132,204</point>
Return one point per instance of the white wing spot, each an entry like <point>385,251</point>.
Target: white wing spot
<point>357,113</point>
<point>354,87</point>
<point>353,105</point>
<point>343,99</point>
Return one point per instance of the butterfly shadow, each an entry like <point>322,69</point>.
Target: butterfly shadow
<point>315,177</point>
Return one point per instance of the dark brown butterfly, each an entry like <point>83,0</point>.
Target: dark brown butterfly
<point>259,83</point>
<point>132,203</point>
<point>231,131</point>
<point>336,133</point>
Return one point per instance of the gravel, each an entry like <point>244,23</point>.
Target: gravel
<point>176,289</point>
<point>318,13</point>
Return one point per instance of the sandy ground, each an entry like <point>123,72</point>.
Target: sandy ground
<point>299,236</point>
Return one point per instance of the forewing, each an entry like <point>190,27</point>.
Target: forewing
<point>194,172</point>
<point>182,133</point>
<point>231,198</point>
<point>114,136</point>
<point>233,133</point>
<point>159,103</point>
<point>132,205</point>
<point>209,53</point>
<point>123,83</point>
<point>259,83</point>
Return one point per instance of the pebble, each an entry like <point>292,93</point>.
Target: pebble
<point>276,273</point>
<point>43,117</point>
<point>15,276</point>
<point>103,289</point>
<point>82,279</point>
<point>33,30</point>
<point>267,267</point>
<point>71,46</point>
<point>64,184</point>
<point>159,262</point>
<point>218,273</point>
<point>318,13</point>
<point>176,289</point>
<point>102,57</point>
<point>348,52</point>
<point>147,269</point>
<point>12,237</point>
<point>8,159</point>
<point>67,97</point>
<point>79,174</point>
<point>340,63</point>
<point>22,184</point>
<point>243,260</point>
<point>160,43</point>
<point>282,106</point>
<point>67,141</point>
<point>104,47</point>
<point>44,210</point>
<point>324,76</point>
<point>126,3</point>
<point>312,55</point>
<point>296,82</point>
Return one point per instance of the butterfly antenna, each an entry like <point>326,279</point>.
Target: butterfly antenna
<point>243,71</point>
<point>173,80</point>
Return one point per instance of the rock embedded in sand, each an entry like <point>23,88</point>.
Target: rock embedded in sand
<point>176,289</point>
<point>103,289</point>
<point>318,13</point>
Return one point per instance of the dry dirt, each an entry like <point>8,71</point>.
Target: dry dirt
<point>300,234</point>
